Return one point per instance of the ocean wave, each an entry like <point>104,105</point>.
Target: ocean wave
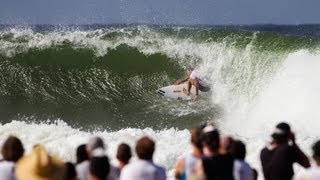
<point>109,75</point>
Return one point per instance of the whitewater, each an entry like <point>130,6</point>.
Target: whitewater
<point>60,87</point>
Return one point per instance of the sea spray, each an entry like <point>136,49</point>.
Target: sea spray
<point>103,81</point>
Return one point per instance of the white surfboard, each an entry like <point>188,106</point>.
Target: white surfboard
<point>176,92</point>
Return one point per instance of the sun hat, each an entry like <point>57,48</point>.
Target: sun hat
<point>40,165</point>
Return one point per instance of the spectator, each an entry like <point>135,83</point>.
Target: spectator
<point>99,165</point>
<point>12,150</point>
<point>82,168</point>
<point>278,158</point>
<point>144,168</point>
<point>313,173</point>
<point>40,165</point>
<point>82,154</point>
<point>225,144</point>
<point>123,155</point>
<point>70,171</point>
<point>214,165</point>
<point>186,165</point>
<point>241,169</point>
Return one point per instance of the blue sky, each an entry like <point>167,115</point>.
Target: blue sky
<point>159,11</point>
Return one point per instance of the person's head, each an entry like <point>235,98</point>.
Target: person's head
<point>12,149</point>
<point>225,144</point>
<point>94,143</point>
<point>316,152</point>
<point>238,150</point>
<point>281,133</point>
<point>189,70</point>
<point>99,167</point>
<point>40,165</point>
<point>211,139</point>
<point>145,148</point>
<point>196,141</point>
<point>82,153</point>
<point>124,153</point>
<point>70,171</point>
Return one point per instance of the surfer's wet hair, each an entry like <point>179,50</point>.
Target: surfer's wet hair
<point>189,68</point>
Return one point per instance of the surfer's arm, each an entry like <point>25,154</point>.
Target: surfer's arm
<point>182,80</point>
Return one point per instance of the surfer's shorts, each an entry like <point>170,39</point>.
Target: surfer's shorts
<point>203,88</point>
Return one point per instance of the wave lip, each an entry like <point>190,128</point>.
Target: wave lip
<point>109,75</point>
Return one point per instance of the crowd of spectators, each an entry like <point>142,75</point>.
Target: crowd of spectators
<point>212,157</point>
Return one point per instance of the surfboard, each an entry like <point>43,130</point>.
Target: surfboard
<point>176,92</point>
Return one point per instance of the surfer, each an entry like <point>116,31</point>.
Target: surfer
<point>194,79</point>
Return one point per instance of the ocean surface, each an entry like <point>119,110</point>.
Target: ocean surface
<point>59,85</point>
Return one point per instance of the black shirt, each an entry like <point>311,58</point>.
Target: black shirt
<point>218,167</point>
<point>277,163</point>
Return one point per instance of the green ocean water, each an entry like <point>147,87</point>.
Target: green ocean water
<point>107,77</point>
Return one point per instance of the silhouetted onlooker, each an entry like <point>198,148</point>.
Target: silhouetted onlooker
<point>123,155</point>
<point>186,165</point>
<point>143,168</point>
<point>99,167</point>
<point>83,167</point>
<point>214,165</point>
<point>313,173</point>
<point>241,169</point>
<point>278,158</point>
<point>82,154</point>
<point>70,171</point>
<point>12,150</point>
<point>225,144</point>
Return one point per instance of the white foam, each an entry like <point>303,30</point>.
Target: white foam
<point>62,139</point>
<point>293,96</point>
<point>253,101</point>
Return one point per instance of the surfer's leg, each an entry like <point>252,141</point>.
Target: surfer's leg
<point>195,83</point>
<point>187,91</point>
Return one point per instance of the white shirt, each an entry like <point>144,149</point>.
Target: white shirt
<point>142,170</point>
<point>312,173</point>
<point>82,170</point>
<point>242,170</point>
<point>190,162</point>
<point>7,170</point>
<point>196,75</point>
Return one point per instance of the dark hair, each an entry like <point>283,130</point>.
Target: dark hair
<point>94,143</point>
<point>316,151</point>
<point>196,137</point>
<point>283,135</point>
<point>255,174</point>
<point>12,149</point>
<point>212,140</point>
<point>100,167</point>
<point>124,153</point>
<point>145,148</point>
<point>238,150</point>
<point>70,171</point>
<point>82,153</point>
